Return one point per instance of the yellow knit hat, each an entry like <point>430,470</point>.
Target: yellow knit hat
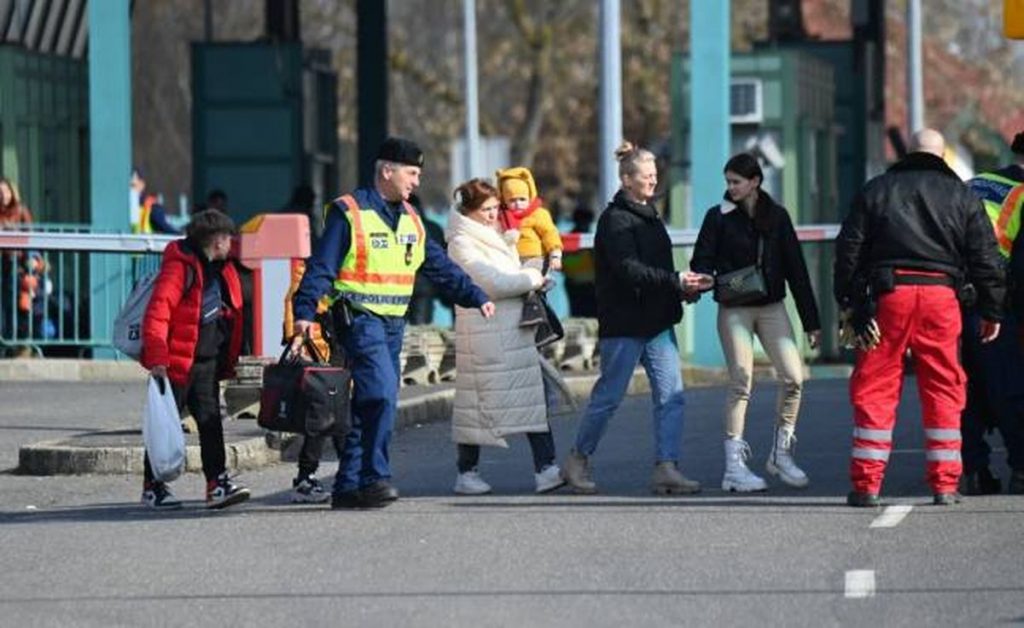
<point>516,182</point>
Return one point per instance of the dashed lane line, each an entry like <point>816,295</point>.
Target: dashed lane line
<point>892,516</point>
<point>860,584</point>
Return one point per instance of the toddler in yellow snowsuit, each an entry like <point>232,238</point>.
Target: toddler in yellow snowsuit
<point>539,245</point>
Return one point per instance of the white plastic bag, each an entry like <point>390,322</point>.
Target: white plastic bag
<point>161,432</point>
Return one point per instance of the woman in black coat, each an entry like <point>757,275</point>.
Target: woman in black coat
<point>639,300</point>
<point>750,229</point>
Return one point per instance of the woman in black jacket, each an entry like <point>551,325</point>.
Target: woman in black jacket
<point>639,299</point>
<point>746,221</point>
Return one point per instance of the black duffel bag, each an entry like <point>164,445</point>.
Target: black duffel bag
<point>306,397</point>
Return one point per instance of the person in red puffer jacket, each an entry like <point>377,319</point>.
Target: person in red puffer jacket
<point>192,336</point>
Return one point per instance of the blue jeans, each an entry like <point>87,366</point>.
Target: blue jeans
<point>619,357</point>
<point>373,344</point>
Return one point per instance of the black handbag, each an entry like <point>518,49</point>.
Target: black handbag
<point>306,397</point>
<point>550,330</point>
<point>743,286</point>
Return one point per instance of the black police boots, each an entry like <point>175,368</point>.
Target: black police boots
<point>980,482</point>
<point>863,500</point>
<point>377,495</point>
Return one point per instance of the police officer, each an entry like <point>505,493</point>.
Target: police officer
<point>148,215</point>
<point>373,245</point>
<point>910,232</point>
<point>995,386</point>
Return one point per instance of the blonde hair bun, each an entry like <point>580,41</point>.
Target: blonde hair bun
<point>624,150</point>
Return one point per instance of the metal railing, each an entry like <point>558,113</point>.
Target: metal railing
<point>55,278</point>
<point>51,276</point>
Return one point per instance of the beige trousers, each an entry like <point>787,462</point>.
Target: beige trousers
<point>736,329</point>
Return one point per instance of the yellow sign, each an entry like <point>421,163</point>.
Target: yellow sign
<point>1013,19</point>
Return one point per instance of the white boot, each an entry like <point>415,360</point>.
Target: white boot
<point>781,462</point>
<point>738,477</point>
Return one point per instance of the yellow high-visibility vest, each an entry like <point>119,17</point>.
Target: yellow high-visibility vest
<point>145,210</point>
<point>380,266</point>
<point>1003,198</point>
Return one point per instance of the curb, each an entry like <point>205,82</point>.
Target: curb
<point>55,457</point>
<point>60,370</point>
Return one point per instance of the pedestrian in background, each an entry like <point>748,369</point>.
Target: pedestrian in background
<point>424,292</point>
<point>995,371</point>
<point>147,214</point>
<point>306,487</point>
<point>748,228</point>
<point>900,257</point>
<point>499,390</point>
<point>192,336</point>
<point>578,267</point>
<point>639,300</point>
<point>17,279</point>
<point>372,247</point>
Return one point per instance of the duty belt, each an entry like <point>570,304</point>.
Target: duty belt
<point>919,279</point>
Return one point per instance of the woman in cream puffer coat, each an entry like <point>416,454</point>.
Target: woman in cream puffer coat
<point>499,390</point>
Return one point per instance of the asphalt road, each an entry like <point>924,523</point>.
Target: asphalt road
<point>79,551</point>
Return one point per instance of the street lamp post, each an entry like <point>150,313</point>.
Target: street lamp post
<point>472,104</point>
<point>611,99</point>
<point>915,83</point>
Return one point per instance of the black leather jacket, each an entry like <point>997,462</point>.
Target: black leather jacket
<point>919,215</point>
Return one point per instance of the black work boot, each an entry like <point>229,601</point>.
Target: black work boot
<point>980,482</point>
<point>947,499</point>
<point>863,500</point>
<point>347,500</point>
<point>1016,483</point>
<point>380,491</point>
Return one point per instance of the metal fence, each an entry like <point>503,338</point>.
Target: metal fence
<point>55,278</point>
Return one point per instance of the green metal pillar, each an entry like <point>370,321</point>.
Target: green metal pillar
<point>110,148</point>
<point>709,143</point>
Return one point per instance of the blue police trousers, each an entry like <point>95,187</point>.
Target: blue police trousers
<point>373,344</point>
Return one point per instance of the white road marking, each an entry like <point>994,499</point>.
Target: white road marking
<point>860,583</point>
<point>892,516</point>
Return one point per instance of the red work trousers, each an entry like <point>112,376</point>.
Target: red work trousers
<point>925,319</point>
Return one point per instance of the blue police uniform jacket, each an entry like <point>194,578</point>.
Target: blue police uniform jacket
<point>322,266</point>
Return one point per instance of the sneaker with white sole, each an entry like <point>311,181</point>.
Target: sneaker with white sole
<point>470,483</point>
<point>738,477</point>
<point>158,496</point>
<point>221,492</point>
<point>549,479</point>
<point>307,489</point>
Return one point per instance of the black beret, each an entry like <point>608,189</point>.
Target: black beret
<point>398,150</point>
<point>1018,144</point>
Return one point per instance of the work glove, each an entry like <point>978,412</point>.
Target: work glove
<point>858,328</point>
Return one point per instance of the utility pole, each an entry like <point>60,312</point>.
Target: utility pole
<point>915,83</point>
<point>611,100</point>
<point>472,104</point>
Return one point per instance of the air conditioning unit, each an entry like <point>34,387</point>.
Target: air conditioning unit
<point>746,101</point>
